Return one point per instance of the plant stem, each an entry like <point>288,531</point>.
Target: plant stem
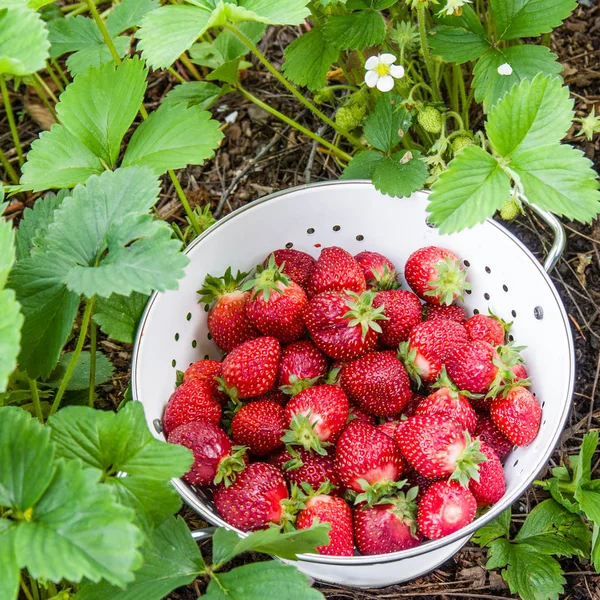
<point>57,82</point>
<point>102,27</point>
<point>263,59</point>
<point>294,124</point>
<point>189,65</point>
<point>25,589</point>
<point>8,167</point>
<point>34,588</point>
<point>184,201</point>
<point>426,55</point>
<point>46,88</point>
<point>43,97</point>
<point>463,95</point>
<point>176,75</point>
<point>11,120</point>
<point>89,308</point>
<point>35,396</point>
<point>92,388</point>
<point>61,72</point>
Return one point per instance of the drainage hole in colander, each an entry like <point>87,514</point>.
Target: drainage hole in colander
<point>466,263</point>
<point>336,227</point>
<point>544,422</point>
<point>289,245</point>
<point>206,308</point>
<point>513,313</point>
<point>486,296</point>
<point>511,338</point>
<point>209,336</point>
<point>360,237</point>
<point>468,292</point>
<point>194,343</point>
<point>176,337</point>
<point>157,425</point>
<point>516,463</point>
<point>173,363</point>
<point>206,357</point>
<point>538,313</point>
<point>505,288</point>
<point>475,311</point>
<point>429,223</point>
<point>488,270</point>
<point>188,317</point>
<point>310,230</point>
<point>544,402</point>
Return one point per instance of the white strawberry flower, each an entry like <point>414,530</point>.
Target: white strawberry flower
<point>454,7</point>
<point>505,69</point>
<point>381,71</point>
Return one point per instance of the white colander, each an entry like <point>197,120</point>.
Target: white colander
<point>505,276</point>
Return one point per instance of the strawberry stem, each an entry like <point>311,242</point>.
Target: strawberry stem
<point>363,313</point>
<point>230,466</point>
<point>266,280</point>
<point>408,356</point>
<point>216,287</point>
<point>450,281</point>
<point>302,433</point>
<point>467,464</point>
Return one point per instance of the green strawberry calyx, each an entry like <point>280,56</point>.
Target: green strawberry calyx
<point>408,356</point>
<point>363,313</point>
<point>267,280</point>
<point>450,281</point>
<point>217,287</point>
<point>230,466</point>
<point>467,464</point>
<point>298,384</point>
<point>302,433</point>
<point>387,280</point>
<point>404,507</point>
<point>506,357</point>
<point>444,382</point>
<point>376,493</point>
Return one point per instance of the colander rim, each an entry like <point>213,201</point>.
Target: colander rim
<point>194,502</point>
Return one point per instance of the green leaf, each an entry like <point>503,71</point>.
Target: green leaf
<point>261,581</point>
<point>374,4</point>
<point>57,159</point>
<point>401,174</point>
<point>9,569</point>
<point>171,560</point>
<point>309,58</point>
<point>80,379</point>
<point>173,137</point>
<point>533,114</point>
<point>193,93</point>
<point>355,31</point>
<point>128,14</point>
<point>227,72</point>
<point>230,47</point>
<point>552,529</point>
<point>112,97</point>
<point>118,316</point>
<point>529,18</point>
<point>35,222</point>
<point>108,243</point>
<point>389,122</point>
<point>499,527</point>
<point>49,310</point>
<point>96,55</point>
<point>498,553</point>
<point>533,576</point>
<point>7,250</point>
<point>560,179</point>
<point>563,497</point>
<point>362,165</point>
<point>79,520</point>
<point>113,442</point>
<point>228,544</point>
<point>11,321</point>
<point>27,459</point>
<point>290,12</point>
<point>472,189</point>
<point>169,31</point>
<point>24,42</point>
<point>526,61</point>
<point>588,496</point>
<point>582,471</point>
<point>596,547</point>
<point>456,44</point>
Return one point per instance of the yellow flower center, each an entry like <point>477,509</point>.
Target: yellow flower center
<point>382,69</point>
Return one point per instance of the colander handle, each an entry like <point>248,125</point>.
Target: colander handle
<point>203,534</point>
<point>560,237</point>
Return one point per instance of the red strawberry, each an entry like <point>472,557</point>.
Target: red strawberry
<point>336,270</point>
<point>448,312</point>
<point>189,402</point>
<point>487,432</point>
<point>302,365</point>
<point>251,369</point>
<point>333,510</point>
<point>428,346</point>
<point>415,479</point>
<point>215,458</point>
<point>378,383</point>
<point>389,428</point>
<point>387,527</point>
<point>519,371</point>
<point>436,447</point>
<point>259,426</point>
<point>473,366</point>
<point>436,275</point>
<point>358,414</point>
<point>207,370</point>
<point>228,323</point>
<point>379,271</point>
<point>315,416</point>
<point>254,500</point>
<point>487,329</point>
<point>517,415</point>
<point>302,466</point>
<point>449,403</point>
<point>276,304</point>
<point>274,395</point>
<point>364,454</point>
<point>403,310</point>
<point>445,508</point>
<point>490,486</point>
<point>342,324</point>
<point>413,403</point>
<point>295,264</point>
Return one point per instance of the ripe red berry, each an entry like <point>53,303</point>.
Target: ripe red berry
<point>403,310</point>
<point>517,415</point>
<point>486,329</point>
<point>207,370</point>
<point>447,312</point>
<point>472,366</point>
<point>358,414</point>
<point>189,402</point>
<point>259,426</point>
<point>302,365</point>
<point>295,264</point>
<point>445,508</point>
<point>490,486</point>
<point>450,405</point>
<point>379,271</point>
<point>336,270</point>
<point>487,432</point>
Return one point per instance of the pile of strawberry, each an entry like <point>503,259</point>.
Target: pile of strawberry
<point>345,399</point>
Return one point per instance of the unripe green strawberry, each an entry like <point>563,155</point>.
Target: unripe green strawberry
<point>430,119</point>
<point>323,95</point>
<point>350,117</point>
<point>510,210</point>
<point>460,142</point>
